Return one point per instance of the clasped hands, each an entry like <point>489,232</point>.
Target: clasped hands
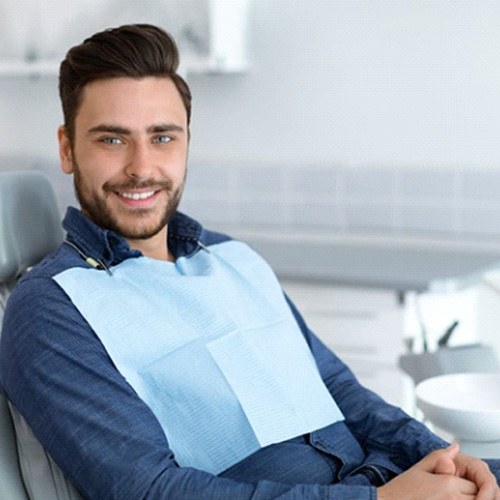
<point>443,474</point>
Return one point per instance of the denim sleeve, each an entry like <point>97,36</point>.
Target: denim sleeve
<point>387,434</point>
<point>102,435</point>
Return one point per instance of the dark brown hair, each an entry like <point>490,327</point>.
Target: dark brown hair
<point>134,50</point>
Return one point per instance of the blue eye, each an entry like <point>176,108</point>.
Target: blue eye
<point>112,140</point>
<point>162,139</point>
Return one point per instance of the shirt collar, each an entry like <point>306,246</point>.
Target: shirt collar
<point>112,248</point>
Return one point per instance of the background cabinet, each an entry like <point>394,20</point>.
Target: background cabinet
<point>35,34</point>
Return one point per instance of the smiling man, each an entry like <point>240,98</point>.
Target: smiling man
<point>129,170</point>
<point>154,359</point>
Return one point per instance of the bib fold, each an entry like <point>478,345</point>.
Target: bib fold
<point>211,346</point>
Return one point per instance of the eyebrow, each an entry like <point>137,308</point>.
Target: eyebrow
<point>153,129</point>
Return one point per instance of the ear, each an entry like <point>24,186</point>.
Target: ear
<point>65,151</point>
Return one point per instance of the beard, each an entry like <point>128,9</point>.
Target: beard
<point>145,223</point>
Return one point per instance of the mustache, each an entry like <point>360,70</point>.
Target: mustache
<point>134,184</point>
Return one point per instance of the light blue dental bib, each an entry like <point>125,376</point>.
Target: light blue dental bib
<point>209,343</point>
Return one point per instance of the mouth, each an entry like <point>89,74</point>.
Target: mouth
<point>137,196</point>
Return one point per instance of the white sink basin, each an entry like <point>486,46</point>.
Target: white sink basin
<point>466,405</point>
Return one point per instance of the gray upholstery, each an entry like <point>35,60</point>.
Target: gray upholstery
<point>30,227</point>
<point>42,478</point>
<point>30,222</point>
<point>11,484</point>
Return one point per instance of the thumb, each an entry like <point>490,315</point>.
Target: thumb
<point>445,464</point>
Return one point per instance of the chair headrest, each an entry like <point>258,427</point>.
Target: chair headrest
<point>30,222</point>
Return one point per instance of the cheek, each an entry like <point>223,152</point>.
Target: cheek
<point>179,158</point>
<point>89,175</point>
<point>172,165</point>
<point>95,168</point>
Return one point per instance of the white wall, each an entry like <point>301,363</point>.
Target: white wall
<point>368,82</point>
<point>361,82</point>
<point>29,116</point>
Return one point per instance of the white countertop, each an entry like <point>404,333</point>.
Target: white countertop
<point>397,262</point>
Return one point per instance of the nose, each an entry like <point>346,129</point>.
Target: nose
<point>139,161</point>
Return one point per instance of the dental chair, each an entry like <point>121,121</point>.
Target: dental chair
<point>30,227</point>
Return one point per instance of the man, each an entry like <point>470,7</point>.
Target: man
<point>155,359</point>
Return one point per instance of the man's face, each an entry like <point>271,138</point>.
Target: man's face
<point>129,154</point>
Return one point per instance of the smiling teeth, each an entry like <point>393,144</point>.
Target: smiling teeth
<point>138,196</point>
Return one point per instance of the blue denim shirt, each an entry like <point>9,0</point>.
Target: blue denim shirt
<point>57,373</point>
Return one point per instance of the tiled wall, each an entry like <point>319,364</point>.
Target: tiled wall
<point>411,201</point>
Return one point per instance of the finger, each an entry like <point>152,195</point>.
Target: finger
<point>488,490</point>
<point>445,463</point>
<point>456,485</point>
<point>467,487</point>
<point>478,471</point>
<point>440,461</point>
<point>453,450</point>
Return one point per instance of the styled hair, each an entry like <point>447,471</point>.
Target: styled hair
<point>134,50</point>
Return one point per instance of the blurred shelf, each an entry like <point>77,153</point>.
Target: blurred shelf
<point>29,69</point>
<point>190,65</point>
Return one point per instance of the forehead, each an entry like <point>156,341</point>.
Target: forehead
<point>127,100</point>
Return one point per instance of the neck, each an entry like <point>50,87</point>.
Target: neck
<point>154,247</point>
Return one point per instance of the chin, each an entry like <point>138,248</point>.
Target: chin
<point>139,230</point>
